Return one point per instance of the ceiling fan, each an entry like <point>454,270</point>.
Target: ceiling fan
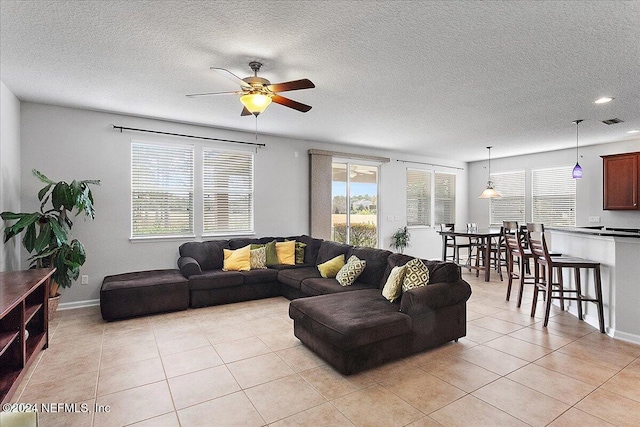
<point>256,93</point>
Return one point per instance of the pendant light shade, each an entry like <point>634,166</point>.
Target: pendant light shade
<point>489,192</point>
<point>577,169</point>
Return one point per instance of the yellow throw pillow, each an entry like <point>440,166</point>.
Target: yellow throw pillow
<point>330,268</point>
<point>286,252</point>
<point>238,260</point>
<point>393,288</point>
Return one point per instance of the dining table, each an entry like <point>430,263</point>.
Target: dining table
<point>484,237</point>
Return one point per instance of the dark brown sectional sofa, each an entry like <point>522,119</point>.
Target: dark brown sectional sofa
<point>351,327</point>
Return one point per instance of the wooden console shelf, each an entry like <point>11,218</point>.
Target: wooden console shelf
<point>24,324</point>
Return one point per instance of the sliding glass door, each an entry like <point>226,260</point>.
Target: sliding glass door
<point>354,206</point>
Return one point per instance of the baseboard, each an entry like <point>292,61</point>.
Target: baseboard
<point>78,304</point>
<point>624,336</point>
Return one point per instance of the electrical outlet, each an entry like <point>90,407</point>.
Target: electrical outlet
<point>594,220</point>
<point>84,279</point>
<point>389,217</point>
<point>396,218</point>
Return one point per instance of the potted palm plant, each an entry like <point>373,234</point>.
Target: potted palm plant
<point>400,239</point>
<point>47,233</point>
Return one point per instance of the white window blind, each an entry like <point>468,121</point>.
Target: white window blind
<point>445,198</point>
<point>510,207</point>
<point>228,192</point>
<point>554,196</point>
<point>418,197</point>
<point>161,190</point>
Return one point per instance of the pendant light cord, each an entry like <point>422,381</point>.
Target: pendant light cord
<point>577,122</point>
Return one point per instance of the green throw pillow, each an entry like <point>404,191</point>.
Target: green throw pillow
<point>351,270</point>
<point>256,246</point>
<point>271,254</point>
<point>299,251</point>
<point>330,268</point>
<point>416,275</point>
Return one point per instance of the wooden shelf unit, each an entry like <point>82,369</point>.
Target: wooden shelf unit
<point>24,324</point>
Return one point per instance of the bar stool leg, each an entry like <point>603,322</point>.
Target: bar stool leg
<point>521,277</point>
<point>510,273</point>
<point>578,292</point>
<point>598,283</point>
<point>536,290</point>
<point>561,284</point>
<point>549,294</point>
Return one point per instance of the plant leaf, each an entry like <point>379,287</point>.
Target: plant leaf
<point>42,177</point>
<point>59,232</point>
<point>43,191</point>
<point>44,238</point>
<point>61,196</point>
<point>29,239</point>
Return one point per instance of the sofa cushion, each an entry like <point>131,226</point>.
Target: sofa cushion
<point>254,277</point>
<point>208,254</point>
<point>439,271</point>
<point>352,319</point>
<point>351,271</point>
<point>214,279</point>
<point>311,251</point>
<point>322,286</point>
<point>330,268</point>
<point>376,260</point>
<point>242,242</point>
<point>415,275</point>
<point>238,259</point>
<point>329,250</point>
<point>294,276</point>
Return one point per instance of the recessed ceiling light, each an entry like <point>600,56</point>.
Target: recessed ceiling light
<point>634,131</point>
<point>604,100</point>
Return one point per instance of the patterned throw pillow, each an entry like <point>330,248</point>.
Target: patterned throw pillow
<point>393,288</point>
<point>258,258</point>
<point>416,275</point>
<point>351,270</point>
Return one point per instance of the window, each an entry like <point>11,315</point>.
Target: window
<point>510,207</point>
<point>445,200</point>
<point>227,192</point>
<point>554,196</point>
<point>422,208</point>
<point>418,197</point>
<point>161,190</point>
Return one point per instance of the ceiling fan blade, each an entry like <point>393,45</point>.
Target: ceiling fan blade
<point>290,103</point>
<point>292,85</point>
<point>245,112</point>
<point>229,75</point>
<point>233,92</point>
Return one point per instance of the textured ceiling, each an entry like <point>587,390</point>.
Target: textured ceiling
<point>443,79</point>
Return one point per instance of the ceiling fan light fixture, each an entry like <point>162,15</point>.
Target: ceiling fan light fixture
<point>256,103</point>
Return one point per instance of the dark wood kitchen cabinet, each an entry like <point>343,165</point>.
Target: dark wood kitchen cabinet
<point>621,181</point>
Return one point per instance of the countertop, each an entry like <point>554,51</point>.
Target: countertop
<point>595,232</point>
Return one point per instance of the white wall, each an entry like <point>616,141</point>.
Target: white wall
<point>67,144</point>
<point>588,190</point>
<point>9,171</point>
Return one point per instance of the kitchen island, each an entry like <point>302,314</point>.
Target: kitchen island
<point>619,255</point>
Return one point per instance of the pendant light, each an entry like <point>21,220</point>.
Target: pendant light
<point>577,169</point>
<point>489,192</point>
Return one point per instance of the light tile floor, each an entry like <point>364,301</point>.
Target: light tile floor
<point>240,364</point>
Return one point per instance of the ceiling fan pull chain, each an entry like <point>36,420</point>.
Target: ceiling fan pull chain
<point>256,127</point>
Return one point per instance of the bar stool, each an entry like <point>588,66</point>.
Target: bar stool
<point>450,242</point>
<point>546,284</point>
<point>517,254</point>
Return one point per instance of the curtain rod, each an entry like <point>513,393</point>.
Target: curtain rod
<point>188,136</point>
<point>429,164</point>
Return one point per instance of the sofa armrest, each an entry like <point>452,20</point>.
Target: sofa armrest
<point>188,266</point>
<point>434,296</point>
